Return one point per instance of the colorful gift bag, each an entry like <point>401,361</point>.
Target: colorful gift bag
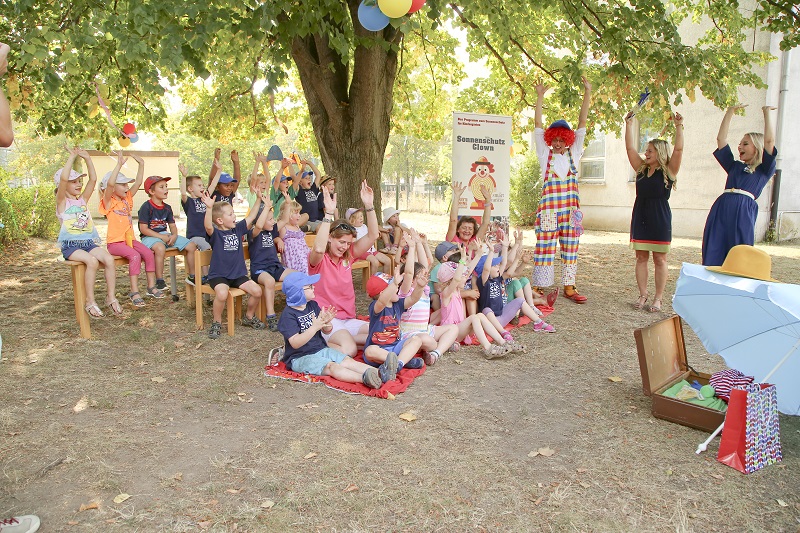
<point>751,436</point>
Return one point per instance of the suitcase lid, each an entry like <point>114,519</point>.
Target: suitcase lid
<point>662,353</point>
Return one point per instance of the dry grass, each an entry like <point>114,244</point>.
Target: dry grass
<point>195,454</point>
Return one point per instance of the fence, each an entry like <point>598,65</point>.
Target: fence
<point>434,199</point>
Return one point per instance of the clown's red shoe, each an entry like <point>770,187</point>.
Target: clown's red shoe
<point>571,292</point>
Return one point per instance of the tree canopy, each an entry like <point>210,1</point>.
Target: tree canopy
<point>241,66</point>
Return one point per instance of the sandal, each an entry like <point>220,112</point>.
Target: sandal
<point>639,305</point>
<point>275,356</point>
<point>495,351</point>
<point>154,292</point>
<point>115,307</point>
<point>431,357</point>
<point>93,311</point>
<point>136,299</point>
<point>455,347</point>
<point>656,307</point>
<point>516,347</point>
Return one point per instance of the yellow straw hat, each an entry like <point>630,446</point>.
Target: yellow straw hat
<point>746,261</point>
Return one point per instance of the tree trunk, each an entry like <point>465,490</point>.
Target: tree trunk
<point>350,116</point>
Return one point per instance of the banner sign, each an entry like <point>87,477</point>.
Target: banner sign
<point>482,157</point>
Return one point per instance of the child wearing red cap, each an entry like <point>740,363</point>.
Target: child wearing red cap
<point>558,218</point>
<point>157,227</point>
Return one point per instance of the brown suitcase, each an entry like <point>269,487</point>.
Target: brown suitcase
<point>662,361</point>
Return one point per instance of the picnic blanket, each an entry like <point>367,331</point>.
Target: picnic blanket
<point>404,378</point>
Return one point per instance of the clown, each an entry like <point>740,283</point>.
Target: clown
<point>558,218</point>
<point>482,171</point>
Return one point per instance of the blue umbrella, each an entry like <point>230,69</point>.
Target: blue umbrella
<point>753,324</point>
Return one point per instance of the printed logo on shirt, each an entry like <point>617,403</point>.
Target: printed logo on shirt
<point>199,206</point>
<point>230,243</point>
<point>310,195</point>
<point>495,291</point>
<point>266,240</point>
<point>305,321</point>
<point>389,335</point>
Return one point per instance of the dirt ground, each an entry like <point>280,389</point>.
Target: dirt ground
<point>200,440</point>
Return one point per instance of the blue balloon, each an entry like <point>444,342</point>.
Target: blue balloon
<point>133,137</point>
<point>371,17</point>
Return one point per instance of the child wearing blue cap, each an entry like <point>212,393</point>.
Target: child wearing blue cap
<point>302,323</point>
<point>492,302</point>
<point>558,217</point>
<point>226,185</point>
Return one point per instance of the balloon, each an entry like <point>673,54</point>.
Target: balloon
<point>371,17</point>
<point>124,142</point>
<point>128,128</point>
<point>394,8</point>
<point>416,5</point>
<point>133,138</point>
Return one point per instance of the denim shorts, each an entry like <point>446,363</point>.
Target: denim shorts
<point>315,363</point>
<point>180,243</point>
<point>70,247</point>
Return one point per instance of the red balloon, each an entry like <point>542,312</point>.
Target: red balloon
<point>416,5</point>
<point>128,128</point>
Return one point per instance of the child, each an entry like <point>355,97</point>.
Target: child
<point>78,237</point>
<point>415,321</point>
<point>192,201</point>
<point>226,185</point>
<point>492,302</point>
<point>227,268</point>
<point>117,204</point>
<point>328,183</point>
<point>391,230</point>
<point>517,284</point>
<point>283,191</point>
<point>453,278</point>
<point>375,258</point>
<point>301,324</point>
<point>295,250</point>
<point>265,267</point>
<point>258,182</point>
<point>558,215</point>
<point>309,197</point>
<point>157,227</point>
<point>384,346</point>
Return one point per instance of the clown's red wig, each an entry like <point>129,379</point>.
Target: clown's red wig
<point>566,134</point>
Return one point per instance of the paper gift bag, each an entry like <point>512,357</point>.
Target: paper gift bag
<point>751,436</point>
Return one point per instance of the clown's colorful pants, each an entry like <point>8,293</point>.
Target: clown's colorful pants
<point>555,226</point>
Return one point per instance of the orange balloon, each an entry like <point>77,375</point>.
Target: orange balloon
<point>124,142</point>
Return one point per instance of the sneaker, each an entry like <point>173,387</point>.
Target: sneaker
<point>253,322</point>
<point>215,330</point>
<point>161,284</point>
<point>543,327</point>
<point>414,364</point>
<point>204,280</point>
<point>371,378</point>
<point>272,322</point>
<point>20,524</point>
<point>190,279</point>
<point>388,370</point>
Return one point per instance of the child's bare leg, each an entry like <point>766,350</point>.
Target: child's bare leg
<point>490,316</point>
<point>471,306</point>
<point>190,249</point>
<point>386,262</point>
<point>490,330</point>
<point>134,284</point>
<point>254,290</point>
<point>410,348</point>
<point>342,373</point>
<point>267,282</point>
<point>445,336</point>
<point>375,354</point>
<point>110,272</point>
<point>220,297</point>
<point>151,278</point>
<point>477,326</point>
<point>159,249</point>
<point>529,312</point>
<point>373,264</point>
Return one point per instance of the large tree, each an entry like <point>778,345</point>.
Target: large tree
<point>247,50</point>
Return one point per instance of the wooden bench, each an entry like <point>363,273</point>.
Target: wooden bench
<point>78,271</point>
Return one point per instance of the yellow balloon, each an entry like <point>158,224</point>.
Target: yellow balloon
<point>124,142</point>
<point>394,8</point>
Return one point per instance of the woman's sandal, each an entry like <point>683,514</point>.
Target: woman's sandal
<point>656,307</point>
<point>137,299</point>
<point>115,307</point>
<point>639,305</point>
<point>93,311</point>
<point>495,350</point>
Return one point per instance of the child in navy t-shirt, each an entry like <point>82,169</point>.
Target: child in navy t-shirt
<point>227,268</point>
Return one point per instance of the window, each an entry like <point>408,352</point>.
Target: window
<point>593,162</point>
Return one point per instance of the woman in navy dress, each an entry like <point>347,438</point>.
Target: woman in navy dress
<point>651,220</point>
<point>732,219</point>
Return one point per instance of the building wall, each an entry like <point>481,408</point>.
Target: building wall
<point>607,204</point>
<point>155,164</point>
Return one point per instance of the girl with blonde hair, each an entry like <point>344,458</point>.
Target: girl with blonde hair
<point>732,218</point>
<point>651,220</point>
